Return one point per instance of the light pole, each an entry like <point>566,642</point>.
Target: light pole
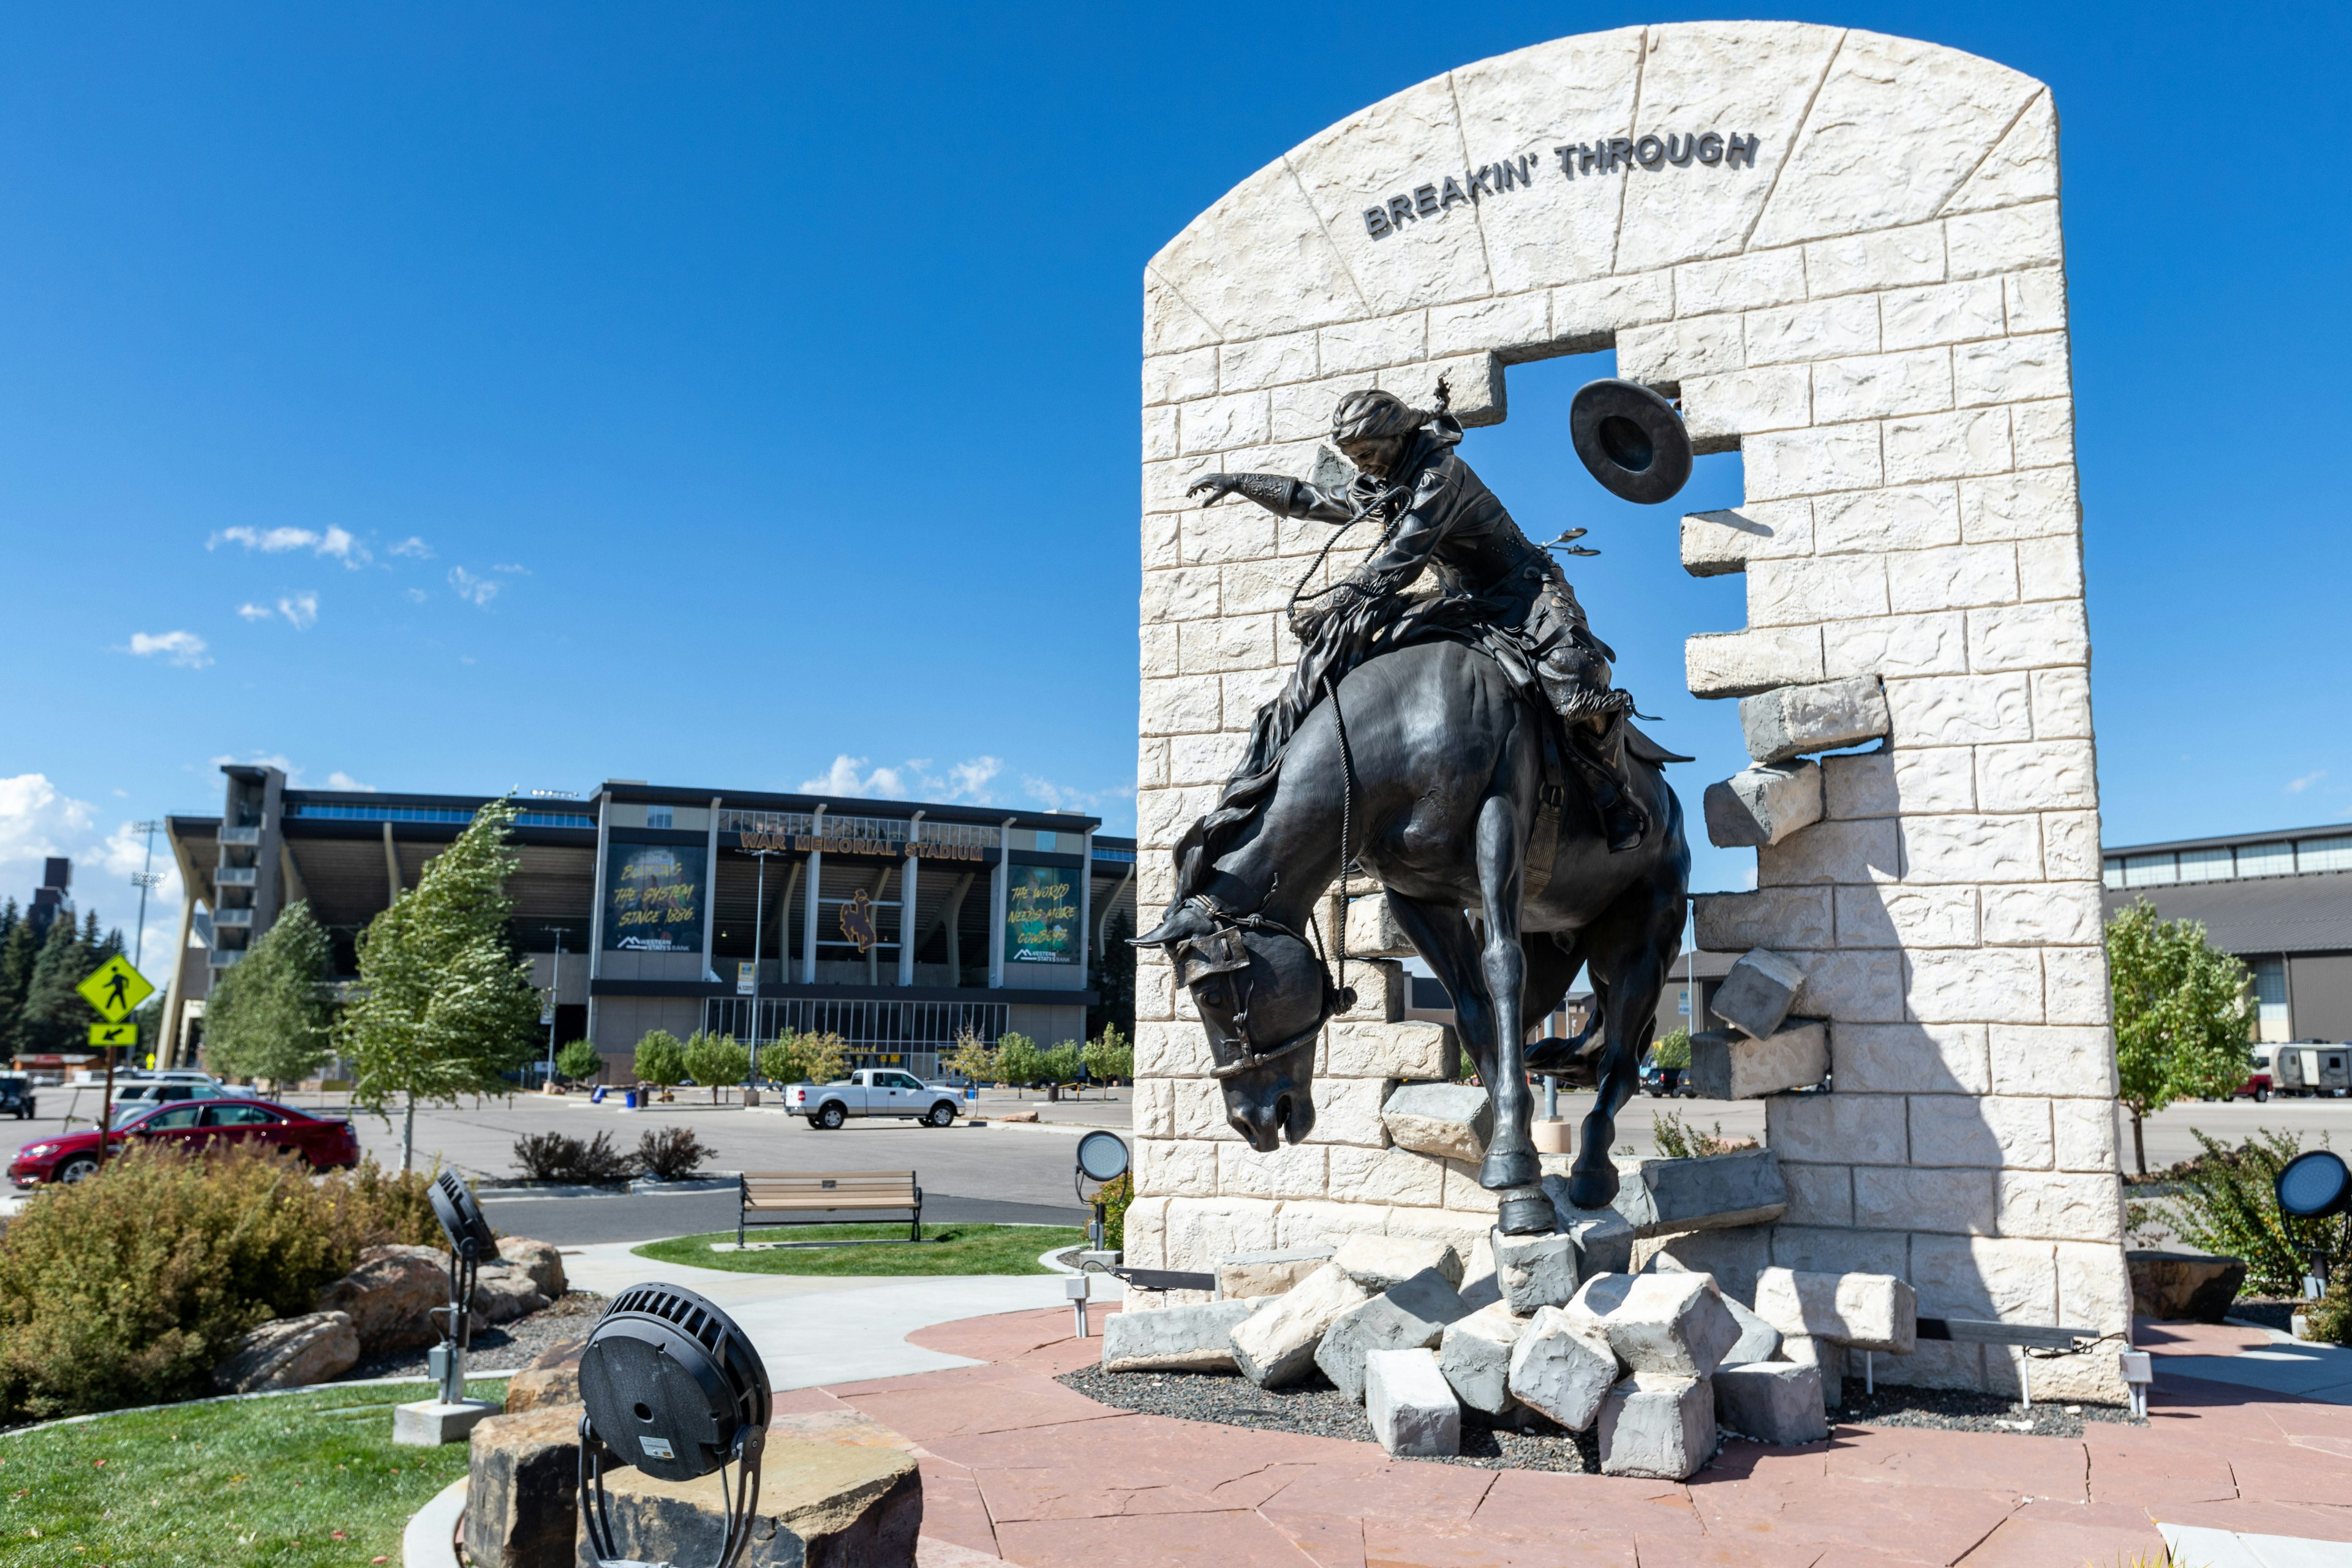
<point>146,877</point>
<point>555,1003</point>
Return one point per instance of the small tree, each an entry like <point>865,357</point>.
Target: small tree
<point>661,1059</point>
<point>1674,1051</point>
<point>715,1061</point>
<point>1061,1063</point>
<point>270,1015</point>
<point>971,1060</point>
<point>2183,1017</point>
<point>1110,1057</point>
<point>1019,1060</point>
<point>442,1007</point>
<point>580,1062</point>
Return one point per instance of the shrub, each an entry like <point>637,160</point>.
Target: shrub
<point>1676,1141</point>
<point>661,1059</point>
<point>971,1060</point>
<point>1110,1057</point>
<point>672,1153</point>
<point>1060,1065</point>
<point>715,1061</point>
<point>580,1062</point>
<point>1019,1060</point>
<point>129,1288</point>
<point>2330,1317</point>
<point>2225,1203</point>
<point>1674,1051</point>
<point>558,1157</point>
<point>386,1205</point>
<point>1115,1197</point>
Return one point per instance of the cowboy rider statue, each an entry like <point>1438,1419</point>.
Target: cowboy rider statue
<point>1438,515</point>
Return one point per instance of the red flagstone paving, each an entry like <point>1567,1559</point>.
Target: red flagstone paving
<point>1018,1469</point>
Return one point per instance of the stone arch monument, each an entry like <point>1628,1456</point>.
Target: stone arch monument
<point>1842,251</point>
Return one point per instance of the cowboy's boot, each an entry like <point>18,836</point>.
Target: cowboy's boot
<point>1622,815</point>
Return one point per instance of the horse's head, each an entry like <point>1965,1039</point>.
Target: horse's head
<point>1262,995</point>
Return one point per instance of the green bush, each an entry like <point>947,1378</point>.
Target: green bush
<point>1019,1060</point>
<point>2331,1315</point>
<point>1674,1051</point>
<point>580,1062</point>
<point>128,1289</point>
<point>715,1061</point>
<point>661,1059</point>
<point>1115,1197</point>
<point>560,1157</point>
<point>1110,1057</point>
<point>1061,1063</point>
<point>672,1153</point>
<point>2225,1202</point>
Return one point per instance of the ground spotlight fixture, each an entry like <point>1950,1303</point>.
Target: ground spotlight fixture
<point>2313,1186</point>
<point>674,1387</point>
<point>1102,1160</point>
<point>470,1241</point>
<point>1631,439</point>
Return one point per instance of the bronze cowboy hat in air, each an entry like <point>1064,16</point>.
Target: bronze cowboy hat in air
<point>1632,440</point>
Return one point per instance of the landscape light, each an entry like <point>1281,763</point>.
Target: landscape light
<point>674,1387</point>
<point>470,1241</point>
<point>1102,1160</point>
<point>2313,1186</point>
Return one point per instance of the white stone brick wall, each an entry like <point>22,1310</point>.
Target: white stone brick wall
<point>1874,314</point>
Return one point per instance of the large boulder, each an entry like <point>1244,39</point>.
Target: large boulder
<point>503,1292</point>
<point>522,1489</point>
<point>290,1352</point>
<point>822,1504</point>
<point>2184,1284</point>
<point>540,1261</point>
<point>389,1296</point>
<point>553,1377</point>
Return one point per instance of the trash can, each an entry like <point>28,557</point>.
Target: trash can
<point>631,1102</point>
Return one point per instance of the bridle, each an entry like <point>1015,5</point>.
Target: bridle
<point>1222,952</point>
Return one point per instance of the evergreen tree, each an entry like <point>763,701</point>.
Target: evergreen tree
<point>2184,1015</point>
<point>442,1008</point>
<point>268,1014</point>
<point>17,953</point>
<point>55,1018</point>
<point>1115,982</point>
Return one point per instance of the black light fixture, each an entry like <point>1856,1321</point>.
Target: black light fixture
<point>2313,1186</point>
<point>470,1241</point>
<point>674,1387</point>
<point>1631,439</point>
<point>1102,1160</point>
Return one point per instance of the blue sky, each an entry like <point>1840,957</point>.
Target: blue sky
<point>745,394</point>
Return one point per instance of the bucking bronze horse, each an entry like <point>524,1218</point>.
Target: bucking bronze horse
<point>1437,768</point>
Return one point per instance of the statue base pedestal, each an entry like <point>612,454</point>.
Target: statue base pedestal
<point>1553,1137</point>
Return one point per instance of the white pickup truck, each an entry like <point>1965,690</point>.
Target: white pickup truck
<point>874,1092</point>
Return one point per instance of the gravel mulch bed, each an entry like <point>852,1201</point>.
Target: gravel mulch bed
<point>508,1347</point>
<point>1316,1409</point>
<point>2266,1313</point>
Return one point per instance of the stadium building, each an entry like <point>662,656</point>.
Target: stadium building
<point>898,926</point>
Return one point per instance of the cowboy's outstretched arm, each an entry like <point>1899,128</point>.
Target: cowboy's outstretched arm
<point>1411,543</point>
<point>1280,495</point>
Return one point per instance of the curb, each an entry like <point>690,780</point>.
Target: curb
<point>471,1376</point>
<point>430,1538</point>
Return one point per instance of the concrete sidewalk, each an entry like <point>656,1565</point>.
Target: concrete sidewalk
<point>2248,1357</point>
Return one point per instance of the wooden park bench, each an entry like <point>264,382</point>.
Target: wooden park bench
<point>787,1197</point>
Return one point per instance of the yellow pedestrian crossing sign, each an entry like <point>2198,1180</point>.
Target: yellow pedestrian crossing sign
<point>115,989</point>
<point>124,1035</point>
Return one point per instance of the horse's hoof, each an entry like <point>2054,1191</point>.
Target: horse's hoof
<point>1509,1168</point>
<point>1526,1217</point>
<point>1593,1189</point>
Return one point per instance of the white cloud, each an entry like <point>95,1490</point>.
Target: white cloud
<point>186,649</point>
<point>413,549</point>
<point>301,610</point>
<point>417,595</point>
<point>2296,787</point>
<point>335,543</point>
<point>476,591</point>
<point>842,778</point>
<point>253,612</point>
<point>1061,798</point>
<point>965,781</point>
<point>968,780</point>
<point>38,820</point>
<point>278,760</point>
<point>341,779</point>
<point>517,570</point>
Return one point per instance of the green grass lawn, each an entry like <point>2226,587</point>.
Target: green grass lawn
<point>309,1479</point>
<point>958,1249</point>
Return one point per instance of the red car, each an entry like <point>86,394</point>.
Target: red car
<point>198,1123</point>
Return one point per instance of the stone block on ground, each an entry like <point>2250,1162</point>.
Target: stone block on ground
<point>1771,1401</point>
<point>1275,1344</point>
<point>1728,1065</point>
<point>1790,721</point>
<point>1534,1271</point>
<point>539,1259</point>
<point>2184,1284</point>
<point>1761,806</point>
<point>290,1352</point>
<point>1758,991</point>
<point>1475,1356</point>
<point>1562,1366</point>
<point>1451,1120</point>
<point>1658,1424</point>
<point>1176,1339</point>
<point>1413,1412</point>
<point>388,1295</point>
<point>821,1505</point>
<point>1655,1197</point>
<point>1758,1340</point>
<point>1409,1315</point>
<point>1827,1355</point>
<point>1248,1275</point>
<point>431,1423</point>
<point>552,1377</point>
<point>1380,1262</point>
<point>1860,1312</point>
<point>522,1479</point>
<point>1603,1238</point>
<point>1674,1323</point>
